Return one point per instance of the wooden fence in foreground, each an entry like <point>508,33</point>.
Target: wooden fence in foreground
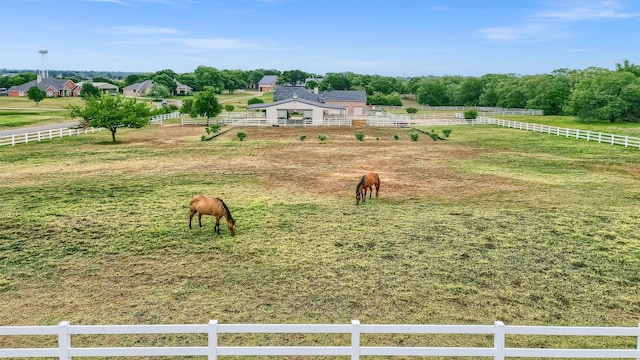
<point>626,141</point>
<point>498,350</point>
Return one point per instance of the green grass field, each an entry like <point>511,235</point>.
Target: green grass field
<point>492,224</point>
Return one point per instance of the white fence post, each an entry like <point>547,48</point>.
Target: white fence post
<point>498,340</point>
<point>355,339</point>
<point>213,340</point>
<point>639,340</point>
<point>64,341</point>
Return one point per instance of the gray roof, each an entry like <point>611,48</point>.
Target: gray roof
<point>142,86</point>
<point>344,95</point>
<point>268,79</point>
<point>44,84</point>
<point>304,101</point>
<point>285,92</point>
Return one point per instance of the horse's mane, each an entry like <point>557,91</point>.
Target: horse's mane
<point>224,206</point>
<point>361,183</point>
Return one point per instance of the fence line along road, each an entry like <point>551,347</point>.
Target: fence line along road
<point>626,141</point>
<point>48,132</point>
<point>496,349</point>
<point>40,135</point>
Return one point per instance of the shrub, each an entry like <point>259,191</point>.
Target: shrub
<point>213,128</point>
<point>446,132</point>
<point>241,135</point>
<point>360,136</point>
<point>302,137</point>
<point>411,110</point>
<point>470,114</point>
<point>322,137</point>
<point>434,136</point>
<point>414,136</point>
<point>396,136</point>
<point>255,101</point>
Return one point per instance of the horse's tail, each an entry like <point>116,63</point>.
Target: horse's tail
<point>226,209</point>
<point>378,180</point>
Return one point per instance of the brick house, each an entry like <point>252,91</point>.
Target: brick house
<point>52,87</point>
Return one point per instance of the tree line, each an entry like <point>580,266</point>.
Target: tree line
<point>593,93</point>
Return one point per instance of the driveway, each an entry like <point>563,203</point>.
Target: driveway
<point>29,129</point>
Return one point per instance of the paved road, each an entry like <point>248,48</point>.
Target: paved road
<point>22,130</point>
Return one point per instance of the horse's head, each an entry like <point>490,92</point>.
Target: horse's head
<point>358,196</point>
<point>232,227</point>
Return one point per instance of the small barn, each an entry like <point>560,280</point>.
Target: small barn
<point>267,83</point>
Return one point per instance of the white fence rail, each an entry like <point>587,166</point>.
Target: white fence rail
<point>497,350</point>
<point>626,141</point>
<point>27,137</point>
<point>158,119</point>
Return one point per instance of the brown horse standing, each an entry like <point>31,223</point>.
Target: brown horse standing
<point>367,182</point>
<point>204,205</point>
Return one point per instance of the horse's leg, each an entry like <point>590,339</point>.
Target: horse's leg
<point>200,220</point>
<point>216,228</point>
<point>191,213</point>
<point>377,189</point>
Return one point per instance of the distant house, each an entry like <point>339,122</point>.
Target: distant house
<point>137,89</point>
<point>267,83</point>
<point>105,88</point>
<point>183,89</point>
<point>355,101</point>
<point>52,88</point>
<point>142,89</point>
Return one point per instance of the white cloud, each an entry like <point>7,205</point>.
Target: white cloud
<point>214,43</point>
<point>534,32</point>
<point>140,30</point>
<point>585,10</point>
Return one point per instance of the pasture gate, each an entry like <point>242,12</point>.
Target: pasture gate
<point>498,350</point>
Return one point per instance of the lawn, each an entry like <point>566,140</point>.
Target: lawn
<point>491,224</point>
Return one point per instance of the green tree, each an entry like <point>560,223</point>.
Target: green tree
<point>206,104</point>
<point>36,95</point>
<point>229,108</point>
<point>469,92</point>
<point>158,91</point>
<point>89,90</point>
<point>601,94</point>
<point>112,112</point>
<point>432,92</point>
<point>165,79</point>
<point>187,105</point>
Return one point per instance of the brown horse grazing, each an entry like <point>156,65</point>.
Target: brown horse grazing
<point>204,205</point>
<point>367,182</point>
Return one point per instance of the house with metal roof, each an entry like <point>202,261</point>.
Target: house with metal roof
<point>298,111</point>
<point>52,87</point>
<point>355,101</point>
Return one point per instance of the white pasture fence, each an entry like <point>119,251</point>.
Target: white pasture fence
<point>158,119</point>
<point>41,135</point>
<point>212,349</point>
<point>626,141</point>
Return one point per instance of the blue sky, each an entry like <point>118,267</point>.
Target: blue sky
<point>377,37</point>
